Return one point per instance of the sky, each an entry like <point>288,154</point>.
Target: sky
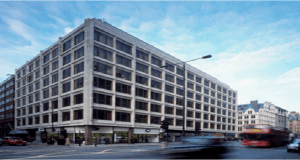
<point>254,45</point>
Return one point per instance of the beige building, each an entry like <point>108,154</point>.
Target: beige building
<point>294,122</point>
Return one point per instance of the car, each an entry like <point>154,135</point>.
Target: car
<point>0,141</point>
<point>16,141</point>
<point>294,146</point>
<point>6,139</point>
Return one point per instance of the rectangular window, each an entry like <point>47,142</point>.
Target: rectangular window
<point>79,38</point>
<point>198,106</point>
<point>190,76</point>
<point>46,58</point>
<point>141,105</point>
<point>156,73</point>
<point>205,116</point>
<point>102,68</point>
<point>169,99</point>
<point>103,53</point>
<point>179,101</point>
<point>141,67</point>
<point>141,118</point>
<point>179,72</point>
<point>155,84</point>
<point>219,89</point>
<point>66,87</point>
<point>198,97</point>
<point>29,78</point>
<point>67,45</point>
<point>179,91</point>
<point>169,67</point>
<point>179,122</point>
<point>123,88</point>
<point>46,82</point>
<point>30,88</point>
<point>206,91</point>
<point>212,93</point>
<point>30,111</point>
<point>179,112</point>
<point>102,99</point>
<point>170,78</point>
<point>54,65</point>
<point>65,116</point>
<point>206,99</point>
<point>190,104</point>
<point>206,83</point>
<point>46,106</point>
<point>212,86</point>
<point>169,110</point>
<point>156,61</point>
<point>155,120</point>
<point>37,74</point>
<point>100,37</point>
<point>198,88</point>
<point>156,96</point>
<point>79,68</point>
<point>212,101</point>
<point>54,53</point>
<point>37,63</point>
<point>141,92</point>
<point>102,114</point>
<point>141,80</point>
<point>46,70</point>
<point>78,83</point>
<point>66,73</point>
<point>55,78</point>
<point>36,120</point>
<point>224,90</point>
<point>37,96</point>
<point>169,88</point>
<point>123,61</point>
<point>66,102</point>
<point>198,79</point>
<point>46,94</point>
<point>78,99</point>
<point>179,81</point>
<point>67,59</point>
<point>190,95</point>
<point>30,121</point>
<point>190,85</point>
<point>219,96</point>
<point>54,104</point>
<point>55,117</point>
<point>37,109</point>
<point>206,108</point>
<point>123,74</point>
<point>155,108</point>
<point>78,114</point>
<point>45,118</point>
<point>123,47</point>
<point>142,55</point>
<point>120,116</point>
<point>101,83</point>
<point>55,91</point>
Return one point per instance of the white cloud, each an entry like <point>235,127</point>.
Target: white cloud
<point>68,30</point>
<point>291,77</point>
<point>59,20</point>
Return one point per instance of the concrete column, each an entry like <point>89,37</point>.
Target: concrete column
<point>88,135</point>
<point>130,135</point>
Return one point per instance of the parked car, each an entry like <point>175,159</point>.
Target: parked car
<point>16,141</point>
<point>294,146</point>
<point>6,139</point>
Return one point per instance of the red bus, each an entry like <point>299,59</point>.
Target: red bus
<point>263,135</point>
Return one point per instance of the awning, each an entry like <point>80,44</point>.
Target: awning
<point>17,132</point>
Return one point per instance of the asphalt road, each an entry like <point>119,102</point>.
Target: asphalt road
<point>236,151</point>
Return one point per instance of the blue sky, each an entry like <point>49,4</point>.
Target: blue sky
<point>255,45</point>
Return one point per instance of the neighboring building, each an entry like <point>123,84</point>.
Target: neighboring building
<point>100,76</point>
<point>7,105</point>
<point>262,113</point>
<point>294,122</point>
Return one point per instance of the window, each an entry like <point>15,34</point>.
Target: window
<point>66,59</point>
<point>179,122</point>
<point>179,101</point>
<point>46,70</point>
<point>141,80</point>
<point>78,114</point>
<point>54,104</point>
<point>219,96</point>
<point>46,58</point>
<point>65,116</point>
<point>141,105</point>
<point>212,101</point>
<point>30,110</point>
<point>46,82</point>
<point>66,101</point>
<point>156,61</point>
<point>100,83</point>
<point>23,81</point>
<point>37,74</point>
<point>79,68</point>
<point>169,110</point>
<point>66,87</point>
<point>179,81</point>
<point>169,88</point>
<point>179,72</point>
<point>78,99</point>
<point>155,108</point>
<point>240,117</point>
<point>212,109</point>
<point>123,61</point>
<point>249,112</point>
<point>198,79</point>
<point>155,120</point>
<point>37,109</point>
<point>66,73</point>
<point>102,68</point>
<point>246,117</point>
<point>79,38</point>
<point>190,104</point>
<point>55,53</point>
<point>224,119</point>
<point>190,95</point>
<point>54,65</point>
<point>45,106</point>
<point>30,88</point>
<point>24,91</point>
<point>224,90</point>
<point>45,118</point>
<point>198,105</point>
<point>206,83</point>
<point>123,88</point>
<point>190,85</point>
<point>224,105</point>
<point>155,73</point>
<point>142,55</point>
<point>102,53</point>
<point>141,92</point>
<point>179,91</point>
<point>206,91</point>
<point>224,98</point>
<point>102,99</point>
<point>123,47</point>
<point>212,93</point>
<point>55,91</point>
<point>205,116</point>
<point>67,45</point>
<point>120,116</point>
<point>190,76</point>
<point>206,99</point>
<point>55,117</point>
<point>156,96</point>
<point>212,126</point>
<point>206,108</point>
<point>169,99</point>
<point>198,88</point>
<point>37,96</point>
<point>29,78</point>
<point>224,112</point>
<point>123,74</point>
<point>78,83</point>
<point>155,84</point>
<point>46,94</point>
<point>213,86</point>
<point>141,118</point>
<point>198,115</point>
<point>169,67</point>
<point>121,102</point>
<point>170,78</point>
<point>100,37</point>
<point>102,114</point>
<point>55,78</point>
<point>141,67</point>
<point>30,121</point>
<point>36,120</point>
<point>37,63</point>
<point>252,116</point>
<point>219,88</point>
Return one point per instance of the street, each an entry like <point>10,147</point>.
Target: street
<point>236,151</point>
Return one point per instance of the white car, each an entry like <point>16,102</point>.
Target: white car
<point>294,146</point>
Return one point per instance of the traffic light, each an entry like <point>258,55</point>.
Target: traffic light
<point>164,125</point>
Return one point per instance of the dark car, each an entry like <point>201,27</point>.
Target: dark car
<point>294,146</point>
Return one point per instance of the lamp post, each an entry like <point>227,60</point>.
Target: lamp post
<point>184,84</point>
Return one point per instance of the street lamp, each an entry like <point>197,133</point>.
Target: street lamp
<point>184,95</point>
